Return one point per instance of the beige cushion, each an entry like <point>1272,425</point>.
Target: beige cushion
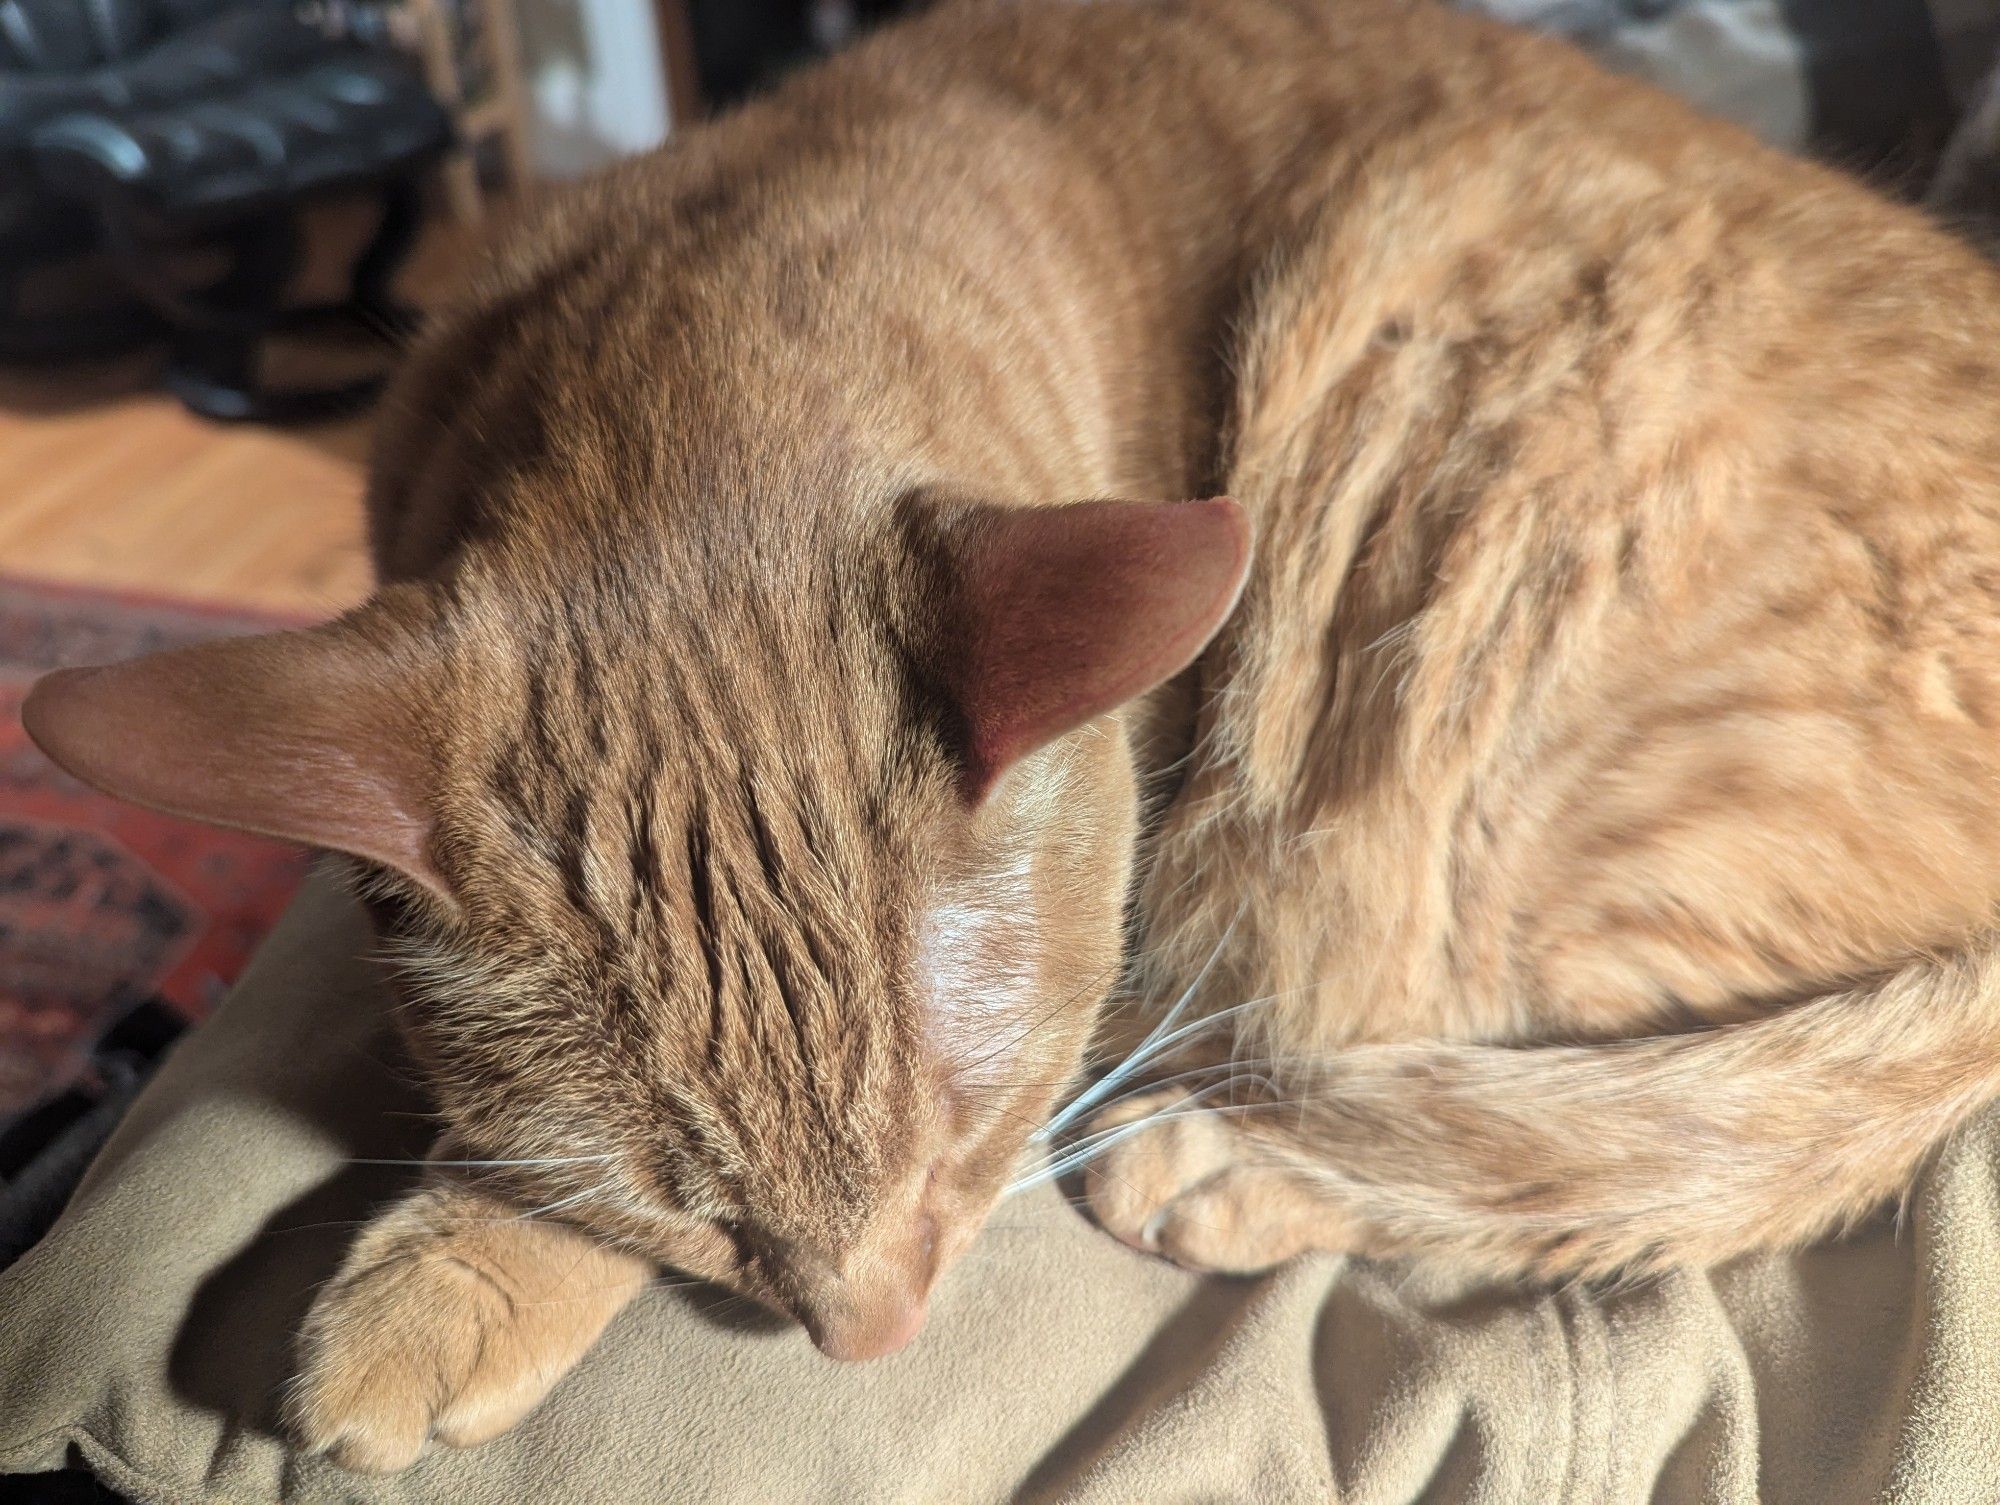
<point>151,1330</point>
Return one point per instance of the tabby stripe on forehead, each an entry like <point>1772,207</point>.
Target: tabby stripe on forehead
<point>575,858</point>
<point>701,889</point>
<point>512,771</point>
<point>642,849</point>
<point>789,1068</point>
<point>765,841</point>
<point>779,931</point>
<point>541,718</point>
<point>589,697</point>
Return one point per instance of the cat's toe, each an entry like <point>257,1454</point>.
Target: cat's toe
<point>388,1354</point>
<point>1187,1186</point>
<point>452,1319</point>
<point>1157,1152</point>
<point>360,1419</point>
<point>1240,1221</point>
<point>507,1383</point>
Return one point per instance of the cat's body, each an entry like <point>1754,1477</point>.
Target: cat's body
<point>768,768</point>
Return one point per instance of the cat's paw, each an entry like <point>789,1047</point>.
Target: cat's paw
<point>1192,1186</point>
<point>450,1332</point>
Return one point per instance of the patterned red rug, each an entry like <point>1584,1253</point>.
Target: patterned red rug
<point>102,904</point>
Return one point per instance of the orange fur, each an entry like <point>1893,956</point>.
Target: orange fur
<point>1620,661</point>
<point>1582,840</point>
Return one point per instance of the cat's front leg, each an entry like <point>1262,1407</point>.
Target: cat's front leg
<point>452,1316</point>
<point>1207,1187</point>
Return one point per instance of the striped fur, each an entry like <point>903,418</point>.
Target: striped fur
<point>1582,842</point>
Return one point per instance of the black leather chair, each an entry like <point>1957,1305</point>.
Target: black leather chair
<point>170,145</point>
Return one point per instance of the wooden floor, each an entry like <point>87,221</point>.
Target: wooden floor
<point>105,482</point>
<point>135,492</point>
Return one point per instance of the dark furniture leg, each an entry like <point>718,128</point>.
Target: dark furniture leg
<point>218,335</point>
<point>375,269</point>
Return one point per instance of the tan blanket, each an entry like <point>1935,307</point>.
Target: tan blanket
<point>150,1331</point>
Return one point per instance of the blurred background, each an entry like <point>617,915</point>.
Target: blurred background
<point>220,219</point>
<point>229,212</point>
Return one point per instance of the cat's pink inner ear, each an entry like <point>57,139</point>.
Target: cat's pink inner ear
<point>1066,612</point>
<point>289,735</point>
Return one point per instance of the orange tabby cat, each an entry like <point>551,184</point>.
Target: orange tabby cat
<point>1582,837</point>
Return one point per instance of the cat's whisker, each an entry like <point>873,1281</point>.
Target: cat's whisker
<point>1146,1048</point>
<point>343,1223</point>
<point>556,1206</point>
<point>970,1068</point>
<point>1095,1144</point>
<point>1143,1055</point>
<point>1075,1159</point>
<point>1249,1068</point>
<point>421,1161</point>
<point>583,1295</point>
<point>1230,1077</point>
<point>683,1282</point>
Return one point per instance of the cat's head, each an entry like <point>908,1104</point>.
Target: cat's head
<point>759,907</point>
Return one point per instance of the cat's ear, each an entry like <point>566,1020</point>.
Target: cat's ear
<point>292,734</point>
<point>1062,613</point>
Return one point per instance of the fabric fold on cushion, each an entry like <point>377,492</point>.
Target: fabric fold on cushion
<point>151,1331</point>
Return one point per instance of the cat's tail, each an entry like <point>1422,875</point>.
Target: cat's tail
<point>1583,1160</point>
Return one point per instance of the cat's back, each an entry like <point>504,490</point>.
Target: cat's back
<point>1629,525</point>
<point>1030,219</point>
<point>1600,320</point>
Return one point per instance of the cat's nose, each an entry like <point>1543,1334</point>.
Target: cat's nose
<point>872,1335</point>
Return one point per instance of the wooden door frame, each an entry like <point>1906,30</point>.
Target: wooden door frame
<point>676,35</point>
